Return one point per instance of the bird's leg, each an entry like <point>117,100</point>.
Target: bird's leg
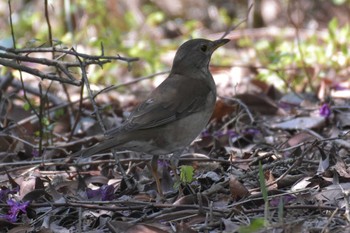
<point>154,169</point>
<point>121,169</point>
<point>174,162</point>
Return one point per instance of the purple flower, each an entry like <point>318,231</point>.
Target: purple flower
<point>35,153</point>
<point>106,192</point>
<point>229,133</point>
<point>232,134</point>
<point>219,134</point>
<point>18,206</point>
<point>15,209</point>
<point>9,217</point>
<point>250,131</point>
<point>325,110</point>
<point>91,193</point>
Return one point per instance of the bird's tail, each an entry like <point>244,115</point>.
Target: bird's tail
<point>105,145</point>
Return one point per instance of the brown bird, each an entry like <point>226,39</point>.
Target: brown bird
<point>175,113</point>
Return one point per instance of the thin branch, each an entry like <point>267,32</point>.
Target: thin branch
<point>61,66</point>
<point>41,121</point>
<point>48,23</point>
<point>36,72</point>
<point>87,84</point>
<point>233,27</point>
<point>68,52</point>
<point>301,52</point>
<point>11,24</point>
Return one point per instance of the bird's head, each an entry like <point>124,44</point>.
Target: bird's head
<point>195,53</point>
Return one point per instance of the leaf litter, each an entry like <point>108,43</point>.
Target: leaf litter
<point>301,143</point>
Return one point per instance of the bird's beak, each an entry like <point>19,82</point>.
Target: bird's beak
<point>218,43</point>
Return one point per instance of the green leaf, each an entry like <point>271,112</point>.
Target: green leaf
<point>255,225</point>
<point>59,112</point>
<point>339,2</point>
<point>45,121</point>
<point>264,194</point>
<point>186,174</point>
<point>262,182</point>
<point>155,18</point>
<point>332,28</point>
<point>26,106</point>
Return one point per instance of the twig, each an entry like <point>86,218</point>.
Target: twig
<point>330,219</point>
<point>48,23</point>
<point>233,27</point>
<point>41,121</point>
<point>245,107</point>
<point>78,114</point>
<point>68,52</point>
<point>302,58</point>
<point>37,73</point>
<point>11,24</point>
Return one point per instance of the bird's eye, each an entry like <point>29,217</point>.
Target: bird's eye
<point>204,48</point>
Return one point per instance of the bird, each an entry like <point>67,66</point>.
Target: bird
<point>174,113</point>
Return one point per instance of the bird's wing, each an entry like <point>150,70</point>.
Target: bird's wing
<point>175,98</point>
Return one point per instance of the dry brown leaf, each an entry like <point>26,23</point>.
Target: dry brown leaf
<point>301,137</point>
<point>269,180</point>
<point>237,189</point>
<point>222,109</point>
<point>260,103</point>
<point>193,200</point>
<point>333,194</point>
<point>289,180</point>
<point>21,229</point>
<point>27,186</point>
<point>341,167</point>
<point>184,227</point>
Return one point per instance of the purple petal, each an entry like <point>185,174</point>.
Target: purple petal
<point>17,206</point>
<point>107,192</point>
<point>250,131</point>
<point>205,133</point>
<point>325,111</point>
<point>35,153</point>
<point>92,193</point>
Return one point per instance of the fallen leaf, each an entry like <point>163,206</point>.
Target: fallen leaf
<point>237,189</point>
<point>301,123</point>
